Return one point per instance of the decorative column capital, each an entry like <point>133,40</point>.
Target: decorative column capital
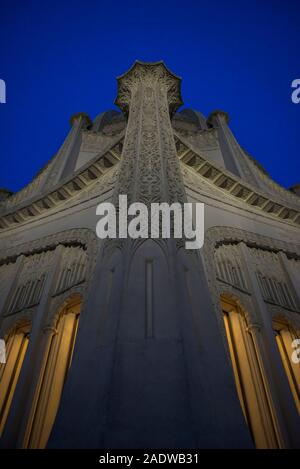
<point>51,330</point>
<point>148,74</point>
<point>254,326</point>
<point>216,117</point>
<point>82,118</point>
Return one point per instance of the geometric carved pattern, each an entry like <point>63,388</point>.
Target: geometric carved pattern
<point>218,235</point>
<point>275,291</point>
<point>84,177</point>
<point>30,284</point>
<point>27,295</point>
<point>201,140</point>
<point>149,169</point>
<point>234,186</point>
<point>229,266</point>
<point>272,279</point>
<point>73,269</point>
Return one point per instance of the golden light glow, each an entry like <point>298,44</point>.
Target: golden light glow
<point>16,346</point>
<point>285,335</point>
<point>53,377</point>
<point>249,377</point>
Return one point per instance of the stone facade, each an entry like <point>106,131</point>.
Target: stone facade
<point>151,366</point>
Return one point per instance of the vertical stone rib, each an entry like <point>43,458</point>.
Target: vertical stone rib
<point>149,171</point>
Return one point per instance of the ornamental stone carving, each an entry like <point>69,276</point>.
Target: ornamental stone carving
<point>229,266</point>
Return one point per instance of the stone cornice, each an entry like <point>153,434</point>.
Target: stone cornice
<point>65,190</point>
<point>222,179</point>
<point>219,235</point>
<point>80,236</point>
<point>287,195</point>
<point>265,177</point>
<point>224,235</point>
<point>235,186</point>
<point>75,237</point>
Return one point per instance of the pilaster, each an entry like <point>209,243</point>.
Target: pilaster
<point>12,286</point>
<point>65,160</point>
<point>233,156</point>
<point>31,373</point>
<point>291,279</point>
<point>263,336</point>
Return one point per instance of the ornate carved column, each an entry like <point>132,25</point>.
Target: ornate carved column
<point>149,94</point>
<point>267,351</point>
<point>29,380</point>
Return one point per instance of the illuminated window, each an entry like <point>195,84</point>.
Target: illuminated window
<point>16,346</point>
<point>284,337</point>
<point>58,362</point>
<point>249,377</point>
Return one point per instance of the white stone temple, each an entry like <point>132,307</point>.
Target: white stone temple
<point>140,343</point>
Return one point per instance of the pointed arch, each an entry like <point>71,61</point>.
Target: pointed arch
<point>146,312</point>
<point>53,376</point>
<point>250,379</point>
<point>285,334</point>
<point>16,343</point>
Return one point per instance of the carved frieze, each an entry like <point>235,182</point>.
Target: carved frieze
<point>149,168</point>
<point>272,278</point>
<point>201,140</point>
<point>73,265</point>
<point>30,282</point>
<point>95,142</point>
<point>229,266</point>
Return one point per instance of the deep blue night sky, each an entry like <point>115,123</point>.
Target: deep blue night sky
<point>62,57</point>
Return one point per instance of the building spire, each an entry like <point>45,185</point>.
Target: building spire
<point>148,73</point>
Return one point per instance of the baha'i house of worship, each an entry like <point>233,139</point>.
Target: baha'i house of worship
<point>141,343</point>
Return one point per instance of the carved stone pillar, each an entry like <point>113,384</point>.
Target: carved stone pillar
<point>266,347</point>
<point>149,94</point>
<point>28,382</point>
<point>45,344</point>
<point>291,280</point>
<point>12,287</point>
